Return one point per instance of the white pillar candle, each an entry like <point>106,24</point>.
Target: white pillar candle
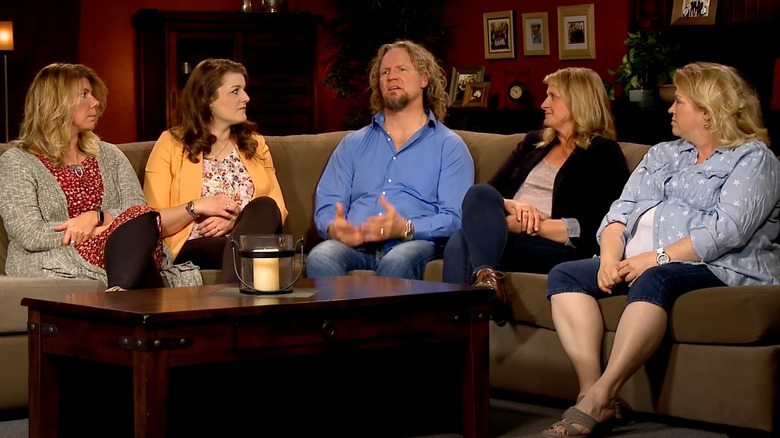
<point>265,273</point>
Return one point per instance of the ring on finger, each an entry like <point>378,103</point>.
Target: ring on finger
<point>382,231</point>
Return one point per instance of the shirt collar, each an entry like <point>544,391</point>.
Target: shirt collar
<point>378,120</point>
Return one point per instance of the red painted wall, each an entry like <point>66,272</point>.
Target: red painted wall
<point>107,44</point>
<point>612,18</point>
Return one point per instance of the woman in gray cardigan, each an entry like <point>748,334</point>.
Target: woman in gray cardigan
<point>72,205</point>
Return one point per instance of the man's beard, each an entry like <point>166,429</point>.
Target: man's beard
<point>397,104</point>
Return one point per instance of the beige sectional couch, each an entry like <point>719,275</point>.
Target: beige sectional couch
<point>719,363</point>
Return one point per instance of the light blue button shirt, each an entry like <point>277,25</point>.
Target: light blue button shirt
<point>728,205</point>
<point>425,180</point>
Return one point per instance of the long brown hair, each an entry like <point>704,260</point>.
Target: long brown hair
<point>48,111</point>
<point>434,95</point>
<point>195,113</point>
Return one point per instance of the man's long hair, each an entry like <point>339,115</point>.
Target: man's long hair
<point>434,95</point>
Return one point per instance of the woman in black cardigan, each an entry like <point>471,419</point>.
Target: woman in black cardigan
<point>545,203</point>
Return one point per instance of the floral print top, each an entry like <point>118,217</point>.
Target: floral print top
<point>227,176</point>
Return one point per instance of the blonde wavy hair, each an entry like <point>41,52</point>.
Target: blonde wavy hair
<point>48,111</point>
<point>434,95</point>
<point>583,92</point>
<point>731,103</point>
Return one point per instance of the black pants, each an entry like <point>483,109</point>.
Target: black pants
<point>261,216</point>
<point>129,254</point>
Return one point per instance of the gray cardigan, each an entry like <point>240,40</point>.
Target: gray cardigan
<point>33,203</point>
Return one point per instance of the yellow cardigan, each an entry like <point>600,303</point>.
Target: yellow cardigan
<point>171,179</point>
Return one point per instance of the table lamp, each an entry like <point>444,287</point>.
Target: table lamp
<point>6,45</point>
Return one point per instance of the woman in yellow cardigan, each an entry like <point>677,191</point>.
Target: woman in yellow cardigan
<point>212,176</point>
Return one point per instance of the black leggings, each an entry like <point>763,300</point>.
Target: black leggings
<point>261,216</point>
<point>129,254</point>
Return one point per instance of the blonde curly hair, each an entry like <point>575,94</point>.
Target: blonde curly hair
<point>732,104</point>
<point>434,95</point>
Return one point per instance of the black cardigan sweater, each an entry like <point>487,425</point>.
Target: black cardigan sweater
<point>584,188</point>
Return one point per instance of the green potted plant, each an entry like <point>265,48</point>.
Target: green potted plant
<point>651,61</point>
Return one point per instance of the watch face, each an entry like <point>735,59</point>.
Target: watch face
<point>516,90</point>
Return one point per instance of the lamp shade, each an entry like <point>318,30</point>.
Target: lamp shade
<point>6,35</point>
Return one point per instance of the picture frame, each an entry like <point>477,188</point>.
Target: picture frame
<point>476,94</point>
<point>694,12</point>
<point>576,32</point>
<point>461,76</point>
<point>499,34</point>
<point>536,34</point>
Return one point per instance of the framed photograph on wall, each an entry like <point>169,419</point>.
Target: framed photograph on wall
<point>461,76</point>
<point>499,35</point>
<point>576,32</point>
<point>536,36</point>
<point>694,12</point>
<point>476,94</point>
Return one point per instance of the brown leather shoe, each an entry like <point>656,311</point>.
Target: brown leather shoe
<point>495,280</point>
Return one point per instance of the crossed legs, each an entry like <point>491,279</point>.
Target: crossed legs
<point>573,292</point>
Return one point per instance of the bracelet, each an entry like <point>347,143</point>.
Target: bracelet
<point>190,207</point>
<point>101,218</point>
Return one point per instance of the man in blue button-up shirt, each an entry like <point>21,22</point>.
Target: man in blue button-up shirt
<point>392,191</point>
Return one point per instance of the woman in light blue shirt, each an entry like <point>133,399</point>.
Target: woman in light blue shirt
<point>698,212</point>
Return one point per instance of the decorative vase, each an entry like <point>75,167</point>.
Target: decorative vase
<point>641,98</point>
<point>666,92</point>
<point>246,6</point>
<point>272,5</point>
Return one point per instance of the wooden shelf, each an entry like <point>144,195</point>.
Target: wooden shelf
<point>495,120</point>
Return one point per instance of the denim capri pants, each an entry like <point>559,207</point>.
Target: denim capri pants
<point>659,285</point>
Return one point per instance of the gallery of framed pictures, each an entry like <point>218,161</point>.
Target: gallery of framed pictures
<point>536,34</point>
<point>576,32</point>
<point>685,12</point>
<point>499,35</point>
<point>476,94</point>
<point>461,76</point>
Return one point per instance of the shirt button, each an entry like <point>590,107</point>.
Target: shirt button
<point>380,214</point>
<point>394,158</point>
<point>384,193</point>
<point>389,180</point>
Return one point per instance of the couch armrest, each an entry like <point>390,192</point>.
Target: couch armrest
<point>13,316</point>
<point>727,315</point>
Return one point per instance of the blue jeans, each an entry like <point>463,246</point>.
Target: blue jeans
<point>485,242</point>
<point>403,260</point>
<point>660,285</point>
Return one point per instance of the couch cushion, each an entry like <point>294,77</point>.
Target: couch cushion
<point>13,317</point>
<point>138,154</point>
<point>300,161</point>
<point>489,151</point>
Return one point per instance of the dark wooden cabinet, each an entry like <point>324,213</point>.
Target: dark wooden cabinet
<point>279,50</point>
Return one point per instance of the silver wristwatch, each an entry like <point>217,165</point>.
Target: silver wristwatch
<point>190,207</point>
<point>662,257</point>
<point>409,230</point>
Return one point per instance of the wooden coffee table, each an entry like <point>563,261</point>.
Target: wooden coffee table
<point>153,330</point>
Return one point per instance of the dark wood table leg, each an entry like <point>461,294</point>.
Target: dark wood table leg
<point>474,379</point>
<point>43,389</point>
<point>150,389</point>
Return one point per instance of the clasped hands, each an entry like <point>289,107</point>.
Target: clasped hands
<point>219,214</point>
<point>612,272</point>
<point>390,225</point>
<point>522,217</point>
